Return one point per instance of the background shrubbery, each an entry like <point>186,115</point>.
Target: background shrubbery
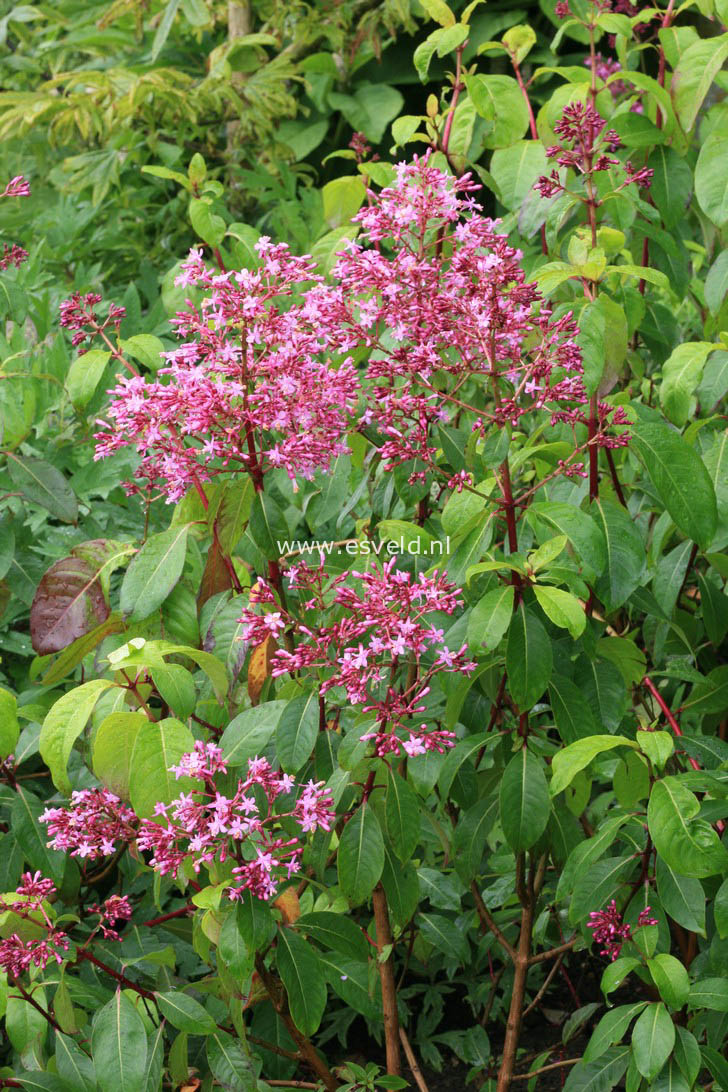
<point>468,805</point>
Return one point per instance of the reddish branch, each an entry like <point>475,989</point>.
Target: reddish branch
<point>386,977</point>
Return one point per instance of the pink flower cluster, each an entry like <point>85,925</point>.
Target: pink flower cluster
<point>202,826</point>
<point>585,147</point>
<point>383,651</point>
<point>16,954</point>
<point>13,254</point>
<point>437,298</point>
<point>252,386</point>
<point>608,928</point>
<point>91,826</point>
<point>205,826</point>
<point>113,910</point>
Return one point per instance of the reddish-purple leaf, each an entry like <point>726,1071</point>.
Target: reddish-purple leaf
<point>68,603</point>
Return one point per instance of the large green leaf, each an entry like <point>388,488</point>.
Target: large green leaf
<point>296,732</point>
<point>711,181</point>
<point>682,897</point>
<point>248,734</point>
<point>303,979</point>
<point>9,725</point>
<point>600,1075</point>
<point>154,572</point>
<point>361,855</point>
<point>184,1013</point>
<point>112,750</point>
<point>529,660</point>
<point>582,531</point>
<point>625,553</point>
<point>680,478</point>
<point>64,723</point>
<point>401,816</point>
<point>524,801</point>
<point>43,484</point>
<point>157,747</point>
<point>653,1038</point>
<point>566,764</point>
<point>119,1046</point>
<point>688,845</point>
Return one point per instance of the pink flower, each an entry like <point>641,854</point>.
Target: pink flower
<point>17,187</point>
<point>609,929</point>
<point>114,909</point>
<point>92,825</point>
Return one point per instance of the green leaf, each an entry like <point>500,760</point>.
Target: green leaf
<point>176,688</point>
<point>573,716</point>
<point>153,573</point>
<point>439,11</point>
<point>42,484</point>
<point>336,931</point>
<point>296,732</point>
<point>529,660</point>
<point>711,181</point>
<point>146,348</point>
<point>579,527</point>
<point>74,1066</point>
<point>85,374</point>
<point>709,993</point>
<point>515,170</point>
<point>233,950</point>
<point>303,979</point>
<point>64,723</point>
<point>694,73</point>
<point>119,1046</point>
<point>401,816</point>
<point>248,734</point>
<point>229,1064</point>
<point>499,101</point>
<point>524,801</point>
<point>342,198</point>
<point>614,975</point>
<point>680,478</point>
<point>671,979</point>
<point>438,931</point>
<point>653,1038</point>
<point>471,833</point>
<point>490,618</point>
<point>566,764</point>
<point>672,184</point>
<point>720,910</point>
<point>157,747</point>
<point>113,746</point>
<point>32,836</point>
<point>611,1029</point>
<point>562,608</point>
<point>597,886</point>
<point>682,897</point>
<point>625,553</point>
<point>689,845</point>
<point>184,1013</point>
<point>208,225</point>
<point>9,726</point>
<point>681,375</point>
<point>600,1075</point>
<point>361,855</point>
<point>164,27</point>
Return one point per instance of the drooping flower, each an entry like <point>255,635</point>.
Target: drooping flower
<point>31,905</point>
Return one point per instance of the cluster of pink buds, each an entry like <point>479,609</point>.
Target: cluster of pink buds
<point>113,910</point>
<point>13,254</point>
<point>610,930</point>
<point>585,147</point>
<point>79,314</point>
<point>16,955</point>
<point>204,825</point>
<point>251,387</point>
<point>383,638</point>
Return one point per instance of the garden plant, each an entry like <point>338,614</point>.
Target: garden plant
<point>363,545</point>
